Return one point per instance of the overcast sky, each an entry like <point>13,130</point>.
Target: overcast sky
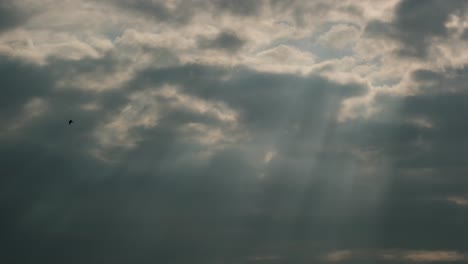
<point>233,131</point>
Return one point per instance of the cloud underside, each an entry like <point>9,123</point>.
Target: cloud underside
<point>233,132</point>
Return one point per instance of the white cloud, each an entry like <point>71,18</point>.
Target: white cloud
<point>340,36</point>
<point>141,111</point>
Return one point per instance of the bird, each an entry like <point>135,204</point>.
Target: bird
<point>70,122</point>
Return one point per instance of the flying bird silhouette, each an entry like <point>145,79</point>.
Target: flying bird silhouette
<point>70,122</point>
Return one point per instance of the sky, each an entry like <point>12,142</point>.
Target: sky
<point>233,131</point>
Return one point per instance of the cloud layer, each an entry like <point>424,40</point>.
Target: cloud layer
<point>233,131</point>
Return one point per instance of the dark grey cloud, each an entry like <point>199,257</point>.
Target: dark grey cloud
<point>239,7</point>
<point>17,86</point>
<point>464,35</point>
<point>416,23</point>
<point>157,10</point>
<point>227,41</point>
<point>10,15</point>
<point>451,80</point>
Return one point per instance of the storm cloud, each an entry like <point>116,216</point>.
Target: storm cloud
<point>417,23</point>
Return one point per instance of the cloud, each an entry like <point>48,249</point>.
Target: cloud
<point>435,256</point>
<point>239,7</point>
<point>339,256</point>
<point>10,16</point>
<point>17,81</point>
<point>340,36</point>
<point>415,25</point>
<point>175,128</point>
<point>227,41</point>
<point>283,59</point>
<point>159,10</point>
<point>224,132</point>
<point>461,201</point>
<point>180,13</point>
<point>396,256</point>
